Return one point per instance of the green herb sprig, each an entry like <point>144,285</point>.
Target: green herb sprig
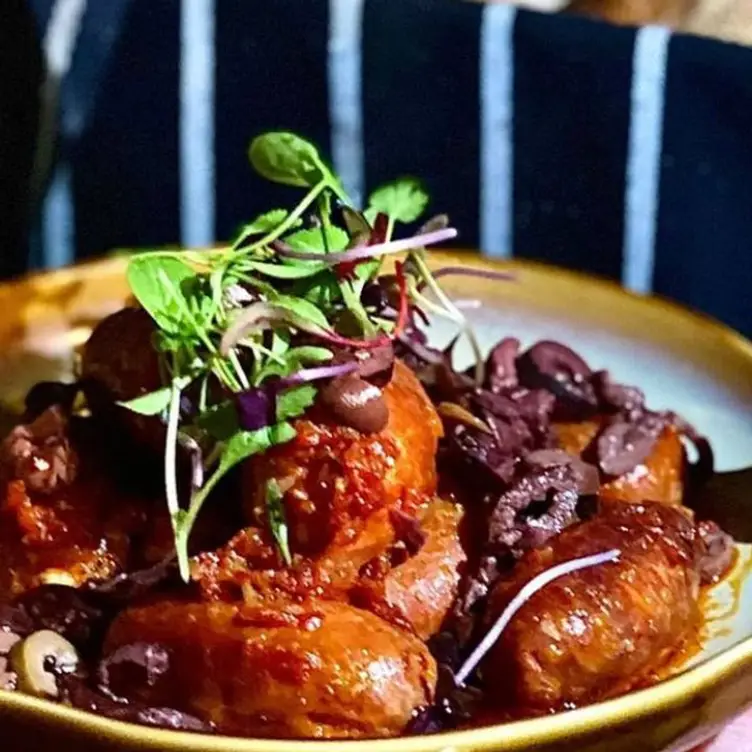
<point>228,318</point>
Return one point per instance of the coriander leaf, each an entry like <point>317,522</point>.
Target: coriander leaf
<point>312,239</point>
<point>156,283</point>
<point>275,513</point>
<point>286,158</point>
<point>294,402</point>
<point>404,200</point>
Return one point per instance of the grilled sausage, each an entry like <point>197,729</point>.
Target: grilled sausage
<point>322,670</point>
<point>659,478</point>
<point>600,631</point>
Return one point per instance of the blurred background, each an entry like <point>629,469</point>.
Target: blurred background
<point>610,136</point>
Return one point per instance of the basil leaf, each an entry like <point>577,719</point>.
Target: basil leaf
<point>275,513</point>
<point>294,402</point>
<point>156,283</point>
<point>286,158</point>
<point>404,200</point>
<point>312,239</point>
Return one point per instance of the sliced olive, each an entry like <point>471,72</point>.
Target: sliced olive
<point>33,658</point>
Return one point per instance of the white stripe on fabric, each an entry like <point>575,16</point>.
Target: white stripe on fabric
<point>58,220</point>
<point>58,214</point>
<point>196,134</point>
<point>60,37</point>
<point>644,156</point>
<point>496,129</point>
<point>345,94</point>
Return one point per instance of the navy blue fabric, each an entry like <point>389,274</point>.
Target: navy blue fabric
<point>705,221</point>
<point>420,62</point>
<point>21,64</point>
<point>571,118</point>
<point>271,74</point>
<point>126,162</point>
<point>421,113</point>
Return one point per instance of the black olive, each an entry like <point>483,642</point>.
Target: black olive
<point>65,610</point>
<point>624,445</point>
<point>356,403</point>
<point>132,668</point>
<point>558,369</point>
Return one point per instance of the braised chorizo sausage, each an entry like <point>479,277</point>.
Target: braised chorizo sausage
<point>659,478</point>
<point>335,477</point>
<point>318,670</point>
<point>419,593</point>
<point>601,631</point>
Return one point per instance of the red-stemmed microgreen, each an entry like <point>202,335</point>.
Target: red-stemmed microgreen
<point>231,320</point>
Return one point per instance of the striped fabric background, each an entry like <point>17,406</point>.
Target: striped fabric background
<point>617,151</point>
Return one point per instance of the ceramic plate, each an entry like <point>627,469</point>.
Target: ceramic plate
<point>682,361</point>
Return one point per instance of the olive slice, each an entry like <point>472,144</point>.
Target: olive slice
<point>31,659</point>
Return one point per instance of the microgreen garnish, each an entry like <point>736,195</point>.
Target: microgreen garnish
<point>246,331</point>
<point>275,512</point>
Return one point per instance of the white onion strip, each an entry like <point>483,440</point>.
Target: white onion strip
<point>528,591</point>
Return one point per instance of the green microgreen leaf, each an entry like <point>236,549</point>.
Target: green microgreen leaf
<point>299,270</point>
<point>303,309</point>
<point>403,200</point>
<point>286,158</point>
<point>156,402</point>
<point>263,224</point>
<point>219,421</point>
<point>309,354</point>
<point>292,403</point>
<point>239,447</point>
<point>275,513</point>
<point>156,283</point>
<point>329,239</point>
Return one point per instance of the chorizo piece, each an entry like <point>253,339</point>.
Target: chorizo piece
<point>659,478</point>
<point>419,593</point>
<point>317,670</point>
<point>601,631</point>
<point>334,477</point>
